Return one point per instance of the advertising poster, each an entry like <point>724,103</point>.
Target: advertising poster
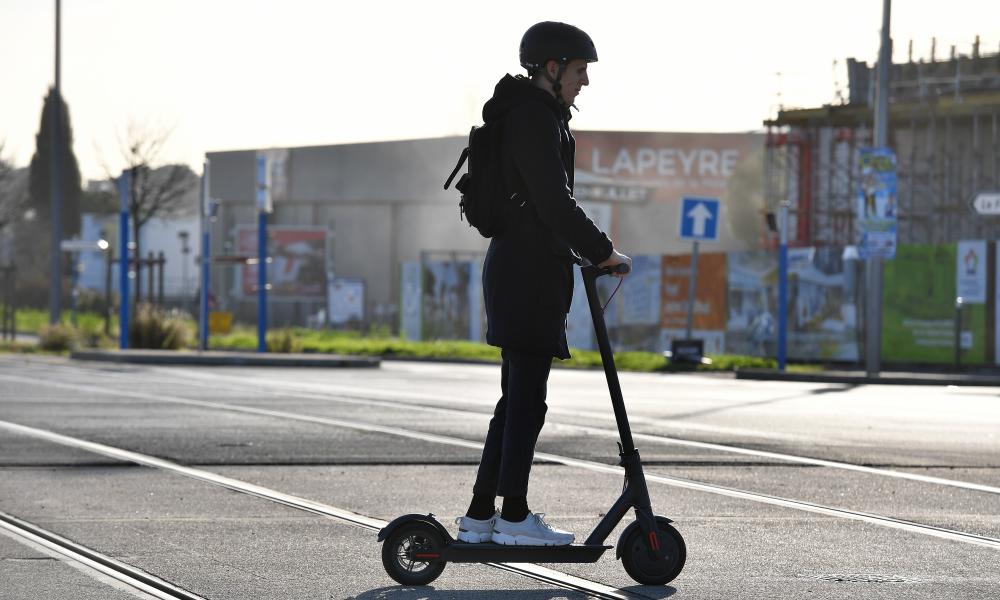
<point>918,308</point>
<point>970,272</point>
<point>635,309</point>
<point>409,297</point>
<point>876,202</point>
<point>298,262</point>
<point>752,318</point>
<point>823,323</point>
<point>579,326</point>
<point>822,314</point>
<point>445,300</point>
<point>346,300</point>
<point>709,321</point>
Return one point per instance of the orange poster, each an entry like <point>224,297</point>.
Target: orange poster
<point>710,292</point>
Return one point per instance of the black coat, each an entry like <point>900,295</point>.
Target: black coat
<point>527,274</point>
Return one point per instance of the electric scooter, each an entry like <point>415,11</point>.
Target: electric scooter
<point>416,548</point>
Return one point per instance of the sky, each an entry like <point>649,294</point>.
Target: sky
<point>237,74</point>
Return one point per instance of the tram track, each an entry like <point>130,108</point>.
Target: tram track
<point>557,578</point>
<point>800,505</point>
<point>129,578</point>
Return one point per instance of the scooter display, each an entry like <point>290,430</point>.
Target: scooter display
<point>416,547</point>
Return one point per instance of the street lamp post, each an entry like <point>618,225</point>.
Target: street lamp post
<point>873,270</point>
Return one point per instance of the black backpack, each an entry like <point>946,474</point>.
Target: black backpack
<point>484,201</point>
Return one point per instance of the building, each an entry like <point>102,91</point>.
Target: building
<point>943,126</point>
<point>358,212</point>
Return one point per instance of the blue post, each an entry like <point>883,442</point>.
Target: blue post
<point>783,287</point>
<point>123,258</point>
<point>262,282</point>
<point>203,312</point>
<point>206,250</point>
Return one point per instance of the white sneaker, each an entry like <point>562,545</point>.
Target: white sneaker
<point>475,531</point>
<point>533,531</point>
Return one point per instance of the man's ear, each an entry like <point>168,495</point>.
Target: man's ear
<point>552,67</point>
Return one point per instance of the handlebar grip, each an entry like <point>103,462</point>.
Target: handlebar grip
<point>619,269</point>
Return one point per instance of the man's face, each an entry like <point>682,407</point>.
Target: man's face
<point>573,79</point>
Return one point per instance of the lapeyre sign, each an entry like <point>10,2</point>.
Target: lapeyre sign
<point>641,166</point>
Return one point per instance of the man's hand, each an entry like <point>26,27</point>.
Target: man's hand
<point>616,258</point>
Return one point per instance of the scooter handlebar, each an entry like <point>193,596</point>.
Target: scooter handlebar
<point>619,269</point>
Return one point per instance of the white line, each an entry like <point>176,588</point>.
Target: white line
<point>585,464</point>
<point>116,578</point>
<point>564,580</point>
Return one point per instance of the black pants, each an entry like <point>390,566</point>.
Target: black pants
<point>517,420</point>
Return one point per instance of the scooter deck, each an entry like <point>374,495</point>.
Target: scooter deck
<point>487,552</point>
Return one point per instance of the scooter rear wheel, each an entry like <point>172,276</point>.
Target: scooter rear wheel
<point>401,554</point>
<point>639,562</point>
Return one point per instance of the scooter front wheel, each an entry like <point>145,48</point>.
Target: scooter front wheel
<point>408,554</point>
<point>646,566</point>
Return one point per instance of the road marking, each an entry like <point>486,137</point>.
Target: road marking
<point>105,569</point>
<point>555,458</point>
<point>540,573</point>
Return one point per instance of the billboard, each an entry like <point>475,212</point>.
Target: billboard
<point>918,314</point>
<point>298,262</point>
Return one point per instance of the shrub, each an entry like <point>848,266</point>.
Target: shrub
<point>284,340</point>
<point>154,328</point>
<point>56,338</point>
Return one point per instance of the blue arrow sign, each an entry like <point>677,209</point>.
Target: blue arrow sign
<point>700,219</point>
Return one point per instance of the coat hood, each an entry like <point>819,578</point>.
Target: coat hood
<point>513,91</point>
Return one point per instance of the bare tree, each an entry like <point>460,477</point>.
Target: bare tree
<point>13,193</point>
<point>156,190</point>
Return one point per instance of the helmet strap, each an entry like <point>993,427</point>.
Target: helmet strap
<point>557,81</point>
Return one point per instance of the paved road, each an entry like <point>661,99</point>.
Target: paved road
<point>781,490</point>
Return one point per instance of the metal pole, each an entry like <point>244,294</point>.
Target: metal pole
<point>205,251</point>
<point>782,284</point>
<point>74,258</point>
<point>958,332</point>
<point>55,281</point>
<point>161,262</point>
<point>124,185</point>
<point>692,284</point>
<point>108,263</point>
<point>151,268</point>
<point>873,272</point>
<point>262,281</point>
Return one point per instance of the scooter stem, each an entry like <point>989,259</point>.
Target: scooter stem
<point>590,274</point>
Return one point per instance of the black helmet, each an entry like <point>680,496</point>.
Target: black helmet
<point>550,40</point>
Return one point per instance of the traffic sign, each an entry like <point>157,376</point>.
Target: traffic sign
<point>83,245</point>
<point>700,219</point>
<point>987,203</point>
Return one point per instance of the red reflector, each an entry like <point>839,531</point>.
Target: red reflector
<point>427,555</point>
<point>654,542</point>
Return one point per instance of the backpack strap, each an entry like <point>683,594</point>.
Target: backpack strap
<point>461,161</point>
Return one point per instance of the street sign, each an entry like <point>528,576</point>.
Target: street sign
<point>83,245</point>
<point>987,203</point>
<point>700,219</point>
<point>263,179</point>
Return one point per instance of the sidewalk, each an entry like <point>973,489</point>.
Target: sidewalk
<point>214,358</point>
<point>884,378</point>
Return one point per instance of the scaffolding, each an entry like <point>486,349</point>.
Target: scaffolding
<point>944,118</point>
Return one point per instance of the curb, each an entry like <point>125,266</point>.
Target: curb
<point>225,359</point>
<point>848,378</point>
